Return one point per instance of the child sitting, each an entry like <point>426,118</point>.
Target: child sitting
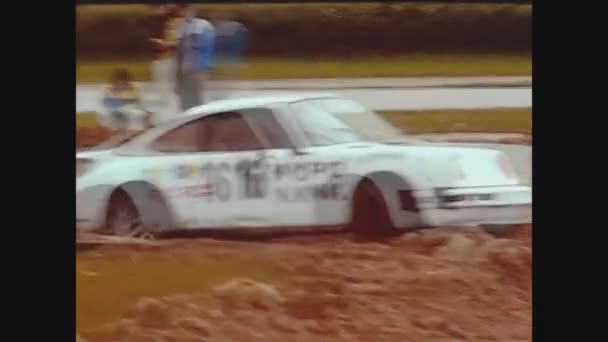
<point>122,104</point>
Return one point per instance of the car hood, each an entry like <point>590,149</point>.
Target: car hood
<point>519,155</point>
<point>447,165</point>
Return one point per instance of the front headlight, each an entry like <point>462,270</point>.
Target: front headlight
<point>83,166</point>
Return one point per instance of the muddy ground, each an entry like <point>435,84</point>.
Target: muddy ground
<point>433,285</point>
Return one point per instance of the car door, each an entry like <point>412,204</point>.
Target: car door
<point>303,183</point>
<point>184,170</point>
<point>276,207</point>
<point>216,172</point>
<point>312,185</point>
<point>242,179</point>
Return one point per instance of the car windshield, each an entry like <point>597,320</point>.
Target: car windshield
<point>329,121</point>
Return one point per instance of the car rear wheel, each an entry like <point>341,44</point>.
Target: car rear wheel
<point>123,218</point>
<point>370,214</point>
<point>138,209</point>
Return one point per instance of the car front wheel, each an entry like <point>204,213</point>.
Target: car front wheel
<point>370,214</point>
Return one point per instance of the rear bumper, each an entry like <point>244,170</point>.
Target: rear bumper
<point>483,205</point>
<point>90,207</point>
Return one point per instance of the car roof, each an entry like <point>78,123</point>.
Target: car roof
<point>253,101</point>
<point>216,107</point>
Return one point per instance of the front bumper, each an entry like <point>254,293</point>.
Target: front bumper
<point>482,205</point>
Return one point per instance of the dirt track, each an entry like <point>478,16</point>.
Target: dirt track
<point>435,285</point>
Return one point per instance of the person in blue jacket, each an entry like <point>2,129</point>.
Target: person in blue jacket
<point>231,42</point>
<point>195,56</point>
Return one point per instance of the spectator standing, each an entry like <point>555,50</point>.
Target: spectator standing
<point>195,56</point>
<point>231,42</point>
<point>164,34</point>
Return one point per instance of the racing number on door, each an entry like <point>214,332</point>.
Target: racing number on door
<point>253,177</point>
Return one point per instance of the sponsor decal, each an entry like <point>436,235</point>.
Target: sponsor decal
<point>190,191</point>
<point>253,178</point>
<point>216,175</point>
<point>302,171</point>
<point>215,169</point>
<point>222,189</point>
<point>187,171</point>
<point>328,191</point>
<point>154,175</point>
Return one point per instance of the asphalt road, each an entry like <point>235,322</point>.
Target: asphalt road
<point>377,94</point>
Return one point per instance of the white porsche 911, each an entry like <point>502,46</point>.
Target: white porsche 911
<point>313,160</point>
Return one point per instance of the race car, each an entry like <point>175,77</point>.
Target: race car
<point>283,161</point>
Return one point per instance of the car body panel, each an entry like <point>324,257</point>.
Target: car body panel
<point>300,186</point>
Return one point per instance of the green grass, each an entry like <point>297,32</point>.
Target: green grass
<point>86,120</point>
<point>106,287</point>
<point>398,66</point>
<point>499,120</point>
<point>517,120</point>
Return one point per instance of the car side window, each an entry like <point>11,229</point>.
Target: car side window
<point>186,138</point>
<point>267,125</point>
<point>321,127</point>
<point>231,132</point>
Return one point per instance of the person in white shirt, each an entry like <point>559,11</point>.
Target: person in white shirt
<point>165,25</point>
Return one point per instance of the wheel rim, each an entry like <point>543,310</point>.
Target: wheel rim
<point>123,218</point>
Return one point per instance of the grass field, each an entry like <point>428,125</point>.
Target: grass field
<point>109,285</point>
<point>398,66</point>
<point>499,120</point>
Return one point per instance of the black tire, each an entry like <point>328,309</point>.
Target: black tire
<point>370,214</point>
<point>499,230</point>
<point>122,216</point>
<point>157,218</point>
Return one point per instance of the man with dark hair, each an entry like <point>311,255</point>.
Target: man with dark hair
<point>194,55</point>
